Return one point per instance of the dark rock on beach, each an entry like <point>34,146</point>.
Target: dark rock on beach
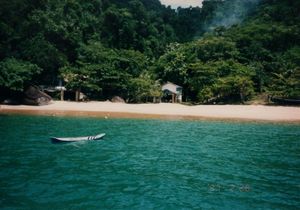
<point>117,99</point>
<point>33,96</point>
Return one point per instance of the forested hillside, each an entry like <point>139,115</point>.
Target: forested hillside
<point>255,54</point>
<point>226,51</point>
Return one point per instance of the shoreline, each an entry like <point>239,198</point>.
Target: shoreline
<point>248,113</point>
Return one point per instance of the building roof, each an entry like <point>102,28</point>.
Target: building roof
<point>171,84</point>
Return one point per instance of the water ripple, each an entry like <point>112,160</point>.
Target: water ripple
<point>148,164</point>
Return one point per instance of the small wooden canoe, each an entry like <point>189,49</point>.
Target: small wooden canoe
<point>82,138</point>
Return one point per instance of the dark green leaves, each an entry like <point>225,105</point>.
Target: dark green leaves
<point>14,74</point>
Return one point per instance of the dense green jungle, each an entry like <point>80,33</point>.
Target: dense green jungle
<point>227,51</point>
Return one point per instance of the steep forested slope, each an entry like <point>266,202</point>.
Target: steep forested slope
<point>227,51</point>
<point>256,53</point>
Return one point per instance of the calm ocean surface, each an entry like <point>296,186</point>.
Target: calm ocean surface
<point>148,164</point>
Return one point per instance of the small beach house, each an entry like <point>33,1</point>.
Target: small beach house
<point>172,92</point>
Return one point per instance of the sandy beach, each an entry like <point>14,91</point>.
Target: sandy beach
<point>161,111</point>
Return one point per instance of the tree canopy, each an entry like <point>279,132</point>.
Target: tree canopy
<point>225,51</point>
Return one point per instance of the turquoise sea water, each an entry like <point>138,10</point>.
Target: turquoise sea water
<point>148,164</point>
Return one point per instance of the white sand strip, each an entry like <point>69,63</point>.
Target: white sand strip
<point>238,112</point>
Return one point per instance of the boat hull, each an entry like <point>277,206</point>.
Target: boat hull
<point>75,139</point>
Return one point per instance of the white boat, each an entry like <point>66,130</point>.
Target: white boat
<point>82,138</point>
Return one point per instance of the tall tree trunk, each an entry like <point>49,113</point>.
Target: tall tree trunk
<point>77,94</point>
<point>242,96</point>
<point>62,94</point>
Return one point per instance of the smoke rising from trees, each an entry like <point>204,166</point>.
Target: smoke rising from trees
<point>228,13</point>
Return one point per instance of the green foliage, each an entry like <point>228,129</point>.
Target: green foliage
<point>215,48</point>
<point>221,80</point>
<point>207,69</point>
<point>233,64</point>
<point>15,74</point>
<point>45,55</point>
<point>143,88</point>
<point>171,66</point>
<point>224,51</point>
<point>286,83</point>
<point>81,78</point>
<point>100,68</point>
